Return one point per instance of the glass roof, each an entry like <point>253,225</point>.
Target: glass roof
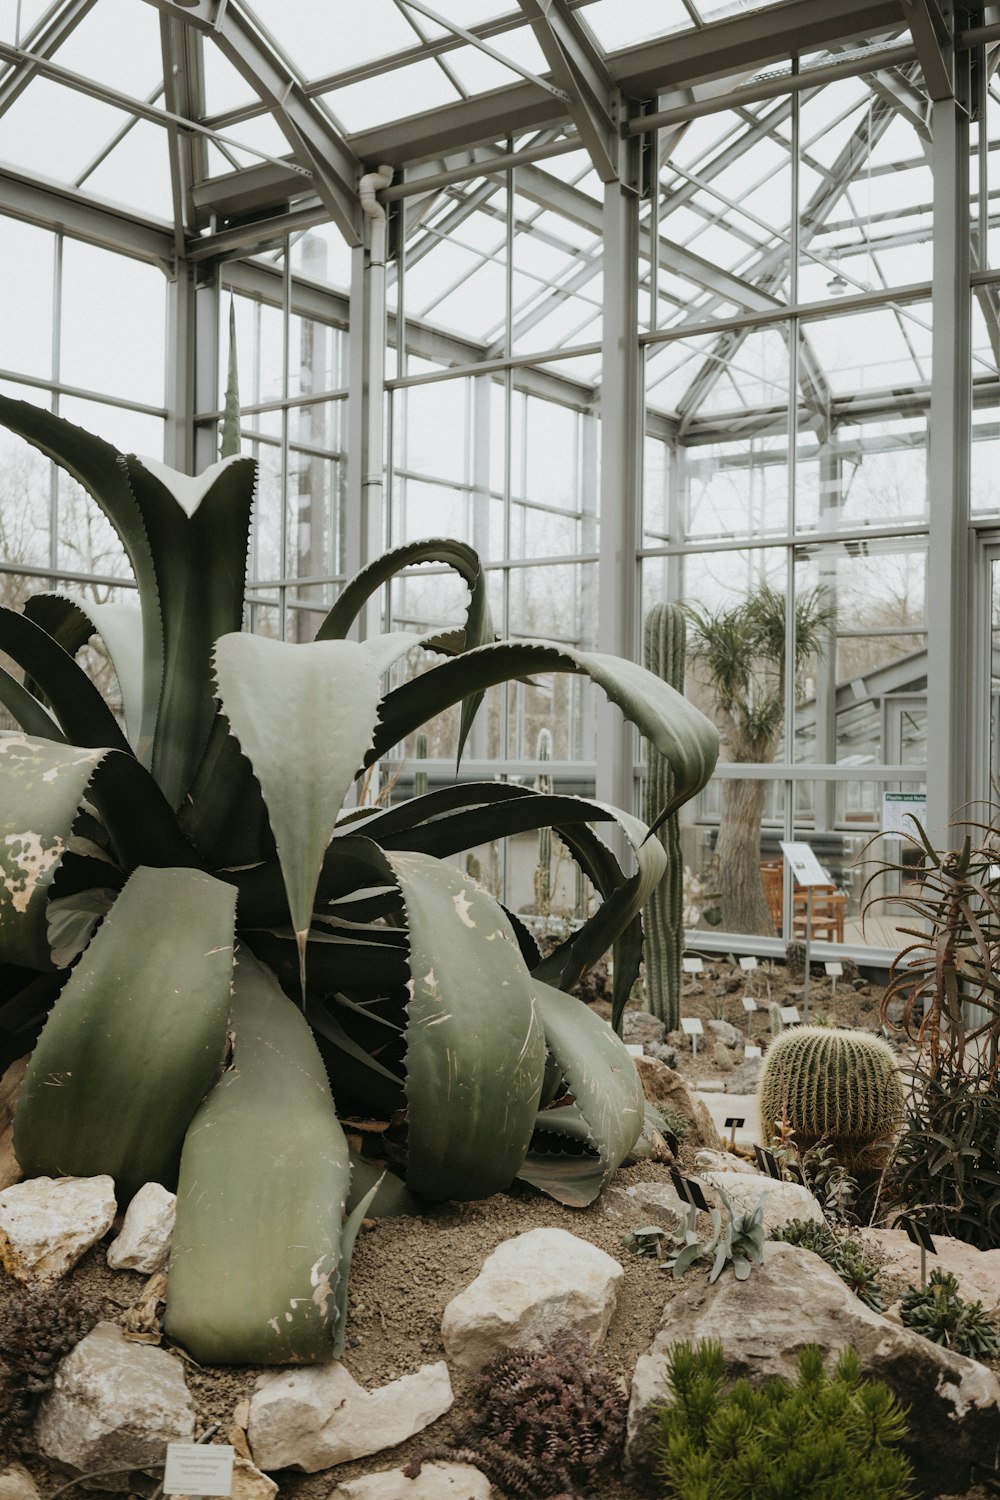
<point>148,106</point>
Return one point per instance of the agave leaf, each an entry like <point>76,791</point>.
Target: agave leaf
<point>126,1057</point>
<point>71,620</point>
<point>391,1197</point>
<point>322,702</point>
<point>335,961</point>
<point>257,1254</point>
<point>99,468</point>
<point>605,1085</point>
<point>199,532</point>
<point>223,813</point>
<point>475,1056</point>
<point>431,825</point>
<point>678,730</point>
<point>78,706</point>
<point>25,709</point>
<point>478,627</point>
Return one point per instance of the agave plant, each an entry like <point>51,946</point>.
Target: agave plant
<point>217,961</point>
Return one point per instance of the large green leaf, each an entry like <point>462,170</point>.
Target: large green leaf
<point>681,733</point>
<point>603,1124</point>
<point>303,715</point>
<point>101,470</point>
<point>78,706</point>
<point>475,1055</point>
<point>257,1263</point>
<point>41,787</point>
<point>478,628</point>
<point>71,619</point>
<point>25,709</point>
<point>199,532</point>
<point>136,1038</point>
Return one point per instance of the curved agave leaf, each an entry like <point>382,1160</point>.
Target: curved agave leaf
<point>475,1057</point>
<point>478,628</point>
<point>42,787</point>
<point>78,706</point>
<point>199,532</point>
<point>617,920</point>
<point>125,1057</point>
<point>71,620</point>
<point>99,467</point>
<point>374,961</point>
<point>22,1016</point>
<point>608,1098</point>
<point>465,816</point>
<point>258,1262</point>
<point>223,813</point>
<point>681,733</point>
<point>305,747</point>
<point>25,709</point>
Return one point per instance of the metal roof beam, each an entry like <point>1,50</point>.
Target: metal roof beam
<point>935,46</point>
<point>54,206</point>
<point>747,42</point>
<point>44,40</point>
<point>315,141</point>
<point>581,71</point>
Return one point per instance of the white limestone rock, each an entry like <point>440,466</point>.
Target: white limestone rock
<point>114,1405</point>
<point>533,1288</point>
<point>313,1418</point>
<point>726,1033</point>
<point>795,1299</point>
<point>144,1242</point>
<point>724,1161</point>
<point>48,1223</point>
<point>978,1271</point>
<point>436,1481</point>
<point>17,1484</point>
<point>644,1203</point>
<point>783,1201</point>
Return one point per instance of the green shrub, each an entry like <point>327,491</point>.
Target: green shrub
<point>828,1437</point>
<point>846,1257</point>
<point>938,1313</point>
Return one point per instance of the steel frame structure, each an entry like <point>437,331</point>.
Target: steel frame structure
<point>623,114</point>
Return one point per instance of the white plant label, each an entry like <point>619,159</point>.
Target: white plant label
<point>748,963</point>
<point>198,1469</point>
<point>790,1015</point>
<point>751,1052</point>
<point>834,969</point>
<point>691,1026</point>
<point>692,965</point>
<point>749,1003</point>
<point>804,865</point>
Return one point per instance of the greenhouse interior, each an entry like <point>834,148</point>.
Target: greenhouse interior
<point>647,301</point>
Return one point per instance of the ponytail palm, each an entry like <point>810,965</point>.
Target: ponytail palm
<point>216,964</point>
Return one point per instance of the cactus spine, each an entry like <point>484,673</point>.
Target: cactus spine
<point>543,869</point>
<point>839,1087</point>
<point>663,918</point>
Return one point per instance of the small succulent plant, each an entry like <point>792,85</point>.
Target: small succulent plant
<point>937,1312</point>
<point>539,1425</point>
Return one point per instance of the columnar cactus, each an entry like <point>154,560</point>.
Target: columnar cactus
<point>663,916</point>
<point>839,1087</point>
<point>543,870</point>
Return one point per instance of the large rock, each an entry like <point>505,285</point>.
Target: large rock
<point>665,1088</point>
<point>795,1299</point>
<point>638,1026</point>
<point>314,1418</point>
<point>10,1088</point>
<point>745,1076</point>
<point>436,1481</point>
<point>48,1223</point>
<point>978,1271</point>
<point>783,1201</point>
<point>532,1289</point>
<point>144,1241</point>
<point>644,1203</point>
<point>724,1161</point>
<point>17,1484</point>
<point>114,1405</point>
<point>725,1032</point>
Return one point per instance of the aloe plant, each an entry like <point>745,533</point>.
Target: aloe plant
<point>218,961</point>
